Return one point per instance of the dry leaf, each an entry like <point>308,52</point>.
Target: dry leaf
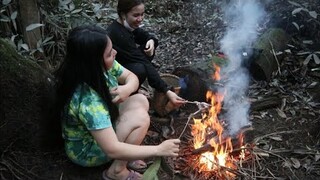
<point>281,113</point>
<point>262,154</point>
<point>296,163</point>
<point>166,132</point>
<point>313,84</point>
<point>287,164</point>
<point>316,157</point>
<point>316,59</point>
<point>276,137</point>
<point>153,134</point>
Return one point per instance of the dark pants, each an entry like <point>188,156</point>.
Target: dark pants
<point>138,69</point>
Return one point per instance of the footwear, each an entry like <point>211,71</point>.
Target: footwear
<point>105,176</point>
<point>138,166</point>
<point>132,175</point>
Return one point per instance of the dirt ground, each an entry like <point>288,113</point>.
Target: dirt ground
<point>286,133</point>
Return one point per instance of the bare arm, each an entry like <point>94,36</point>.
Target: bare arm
<point>175,99</point>
<point>109,143</point>
<point>129,84</point>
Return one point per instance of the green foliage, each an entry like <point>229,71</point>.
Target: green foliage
<point>151,172</point>
<point>67,15</point>
<point>58,17</point>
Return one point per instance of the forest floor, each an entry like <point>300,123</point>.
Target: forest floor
<point>286,135</point>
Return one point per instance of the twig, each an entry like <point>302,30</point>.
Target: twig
<point>189,118</point>
<point>275,57</point>
<point>61,176</point>
<point>201,106</point>
<point>271,173</point>
<point>281,132</point>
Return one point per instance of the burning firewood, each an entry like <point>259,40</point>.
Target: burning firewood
<point>235,141</point>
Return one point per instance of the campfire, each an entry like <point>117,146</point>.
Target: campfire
<point>210,152</point>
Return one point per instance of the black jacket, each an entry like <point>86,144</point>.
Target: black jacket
<point>130,45</point>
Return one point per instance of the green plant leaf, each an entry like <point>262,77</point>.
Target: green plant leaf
<point>25,47</point>
<point>4,18</point>
<point>303,53</point>
<point>6,2</point>
<point>14,15</point>
<point>33,26</point>
<point>47,39</point>
<point>151,172</point>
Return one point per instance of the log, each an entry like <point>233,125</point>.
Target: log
<point>272,41</point>
<point>265,103</point>
<point>235,141</point>
<point>261,59</point>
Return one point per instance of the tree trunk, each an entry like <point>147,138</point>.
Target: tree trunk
<point>25,98</point>
<point>29,13</point>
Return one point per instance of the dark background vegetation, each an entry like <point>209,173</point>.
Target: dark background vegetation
<point>32,46</point>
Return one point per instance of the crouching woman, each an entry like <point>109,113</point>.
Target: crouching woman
<point>101,120</point>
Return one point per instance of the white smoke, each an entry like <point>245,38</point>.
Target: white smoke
<point>242,17</point>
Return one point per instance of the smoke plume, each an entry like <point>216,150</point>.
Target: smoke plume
<point>242,18</point>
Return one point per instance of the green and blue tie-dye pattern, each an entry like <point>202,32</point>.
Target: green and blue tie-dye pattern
<point>87,111</point>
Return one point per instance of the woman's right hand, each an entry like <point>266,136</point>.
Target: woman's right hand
<point>149,48</point>
<point>176,100</point>
<point>169,147</point>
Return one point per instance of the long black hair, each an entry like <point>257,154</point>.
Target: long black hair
<point>84,64</point>
<point>124,6</point>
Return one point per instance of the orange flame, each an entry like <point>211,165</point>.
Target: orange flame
<point>209,124</point>
<point>216,75</point>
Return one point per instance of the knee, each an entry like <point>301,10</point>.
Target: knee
<point>142,101</point>
<point>142,109</point>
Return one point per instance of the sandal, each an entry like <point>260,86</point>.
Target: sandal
<point>138,166</point>
<point>132,175</point>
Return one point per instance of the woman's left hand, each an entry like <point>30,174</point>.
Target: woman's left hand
<point>149,48</point>
<point>120,94</point>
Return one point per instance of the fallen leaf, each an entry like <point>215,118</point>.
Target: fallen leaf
<point>317,157</point>
<point>151,172</point>
<point>276,138</point>
<point>152,133</point>
<point>165,131</point>
<point>296,163</point>
<point>313,14</point>
<point>316,59</point>
<point>262,154</point>
<point>313,84</point>
<point>287,164</point>
<point>281,113</point>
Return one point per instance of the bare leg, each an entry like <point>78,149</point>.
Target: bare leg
<point>131,128</point>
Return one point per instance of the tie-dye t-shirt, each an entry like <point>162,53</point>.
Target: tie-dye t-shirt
<point>85,112</point>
